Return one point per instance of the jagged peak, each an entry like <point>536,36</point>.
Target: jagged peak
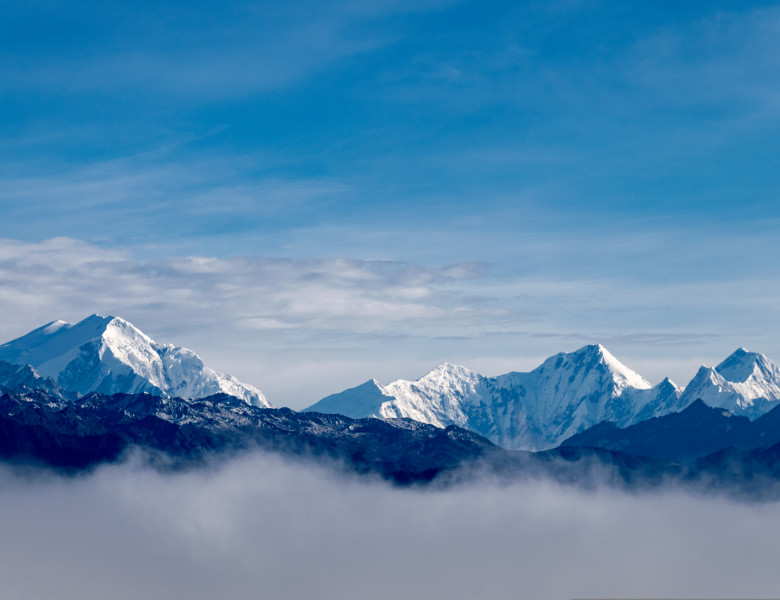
<point>594,354</point>
<point>602,353</point>
<point>449,371</point>
<point>97,317</point>
<point>705,372</point>
<point>93,321</point>
<point>666,382</point>
<point>117,328</point>
<point>449,367</point>
<point>595,348</point>
<point>589,351</point>
<point>742,364</point>
<point>371,383</point>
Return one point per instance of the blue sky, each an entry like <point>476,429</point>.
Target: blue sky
<point>365,189</point>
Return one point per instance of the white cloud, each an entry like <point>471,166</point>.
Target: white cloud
<point>65,275</point>
<point>260,527</point>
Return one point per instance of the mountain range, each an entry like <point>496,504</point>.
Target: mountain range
<point>565,395</point>
<point>40,430</point>
<point>37,428</point>
<point>568,394</point>
<point>76,395</point>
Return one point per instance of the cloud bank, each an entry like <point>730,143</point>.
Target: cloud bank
<point>261,527</point>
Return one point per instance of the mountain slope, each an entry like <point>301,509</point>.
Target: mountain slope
<point>23,378</point>
<point>110,355</point>
<point>696,431</point>
<point>537,410</point>
<point>40,429</point>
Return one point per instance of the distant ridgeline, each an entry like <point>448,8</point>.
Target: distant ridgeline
<point>565,395</point>
<point>74,396</point>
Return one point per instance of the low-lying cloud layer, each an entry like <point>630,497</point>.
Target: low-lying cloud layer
<point>262,528</point>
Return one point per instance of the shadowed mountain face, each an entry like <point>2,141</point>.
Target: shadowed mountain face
<point>697,431</point>
<point>22,378</point>
<point>38,428</point>
<point>70,436</point>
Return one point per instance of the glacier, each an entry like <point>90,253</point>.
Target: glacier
<point>109,355</point>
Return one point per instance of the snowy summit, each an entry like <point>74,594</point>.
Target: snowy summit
<point>746,383</point>
<point>568,393</point>
<point>109,355</point>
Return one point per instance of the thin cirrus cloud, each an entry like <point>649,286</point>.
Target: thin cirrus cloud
<point>677,117</point>
<point>241,296</point>
<point>660,112</point>
<point>148,199</point>
<point>193,52</point>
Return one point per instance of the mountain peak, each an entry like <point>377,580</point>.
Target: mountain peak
<point>97,317</point>
<point>746,383</point>
<point>110,355</point>
<point>595,357</point>
<point>589,351</point>
<point>598,348</point>
<point>53,327</point>
<point>449,371</point>
<point>742,364</point>
<point>666,382</point>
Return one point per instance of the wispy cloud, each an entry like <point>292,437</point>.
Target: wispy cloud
<point>311,294</point>
<point>150,199</point>
<point>232,307</point>
<point>196,54</point>
<point>718,62</point>
<point>344,320</point>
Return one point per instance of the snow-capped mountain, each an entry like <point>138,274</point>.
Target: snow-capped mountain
<point>538,410</point>
<point>109,355</point>
<point>746,383</point>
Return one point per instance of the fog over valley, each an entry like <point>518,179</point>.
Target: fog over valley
<point>260,526</point>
